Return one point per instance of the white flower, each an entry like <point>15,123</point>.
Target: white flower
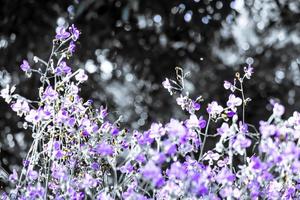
<point>81,76</point>
<point>6,93</point>
<point>234,101</point>
<point>278,110</point>
<point>20,107</point>
<point>214,109</point>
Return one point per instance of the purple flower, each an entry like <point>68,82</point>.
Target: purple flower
<point>25,163</point>
<point>202,190</point>
<point>202,122</point>
<point>156,130</point>
<point>50,94</point>
<point>61,33</point>
<point>196,106</point>
<point>255,163</point>
<point>57,152</point>
<point>169,148</point>
<point>128,168</point>
<point>240,143</point>
<point>230,113</point>
<point>36,192</point>
<point>115,131</point>
<point>56,145</point>
<point>71,122</point>
<point>62,116</point>
<point>32,175</point>
<point>95,166</point>
<point>104,149</point>
<point>176,128</point>
<point>59,172</point>
<point>13,177</point>
<point>159,158</point>
<point>103,112</point>
<point>177,170</point>
<point>152,172</point>
<point>34,116</point>
<point>62,68</point>
<point>75,32</point>
<point>72,47</point>
<point>88,182</point>
<point>225,176</point>
<point>140,158</point>
<point>25,66</point>
<point>243,127</point>
<point>193,122</point>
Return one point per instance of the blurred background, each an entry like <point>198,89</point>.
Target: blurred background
<point>128,47</point>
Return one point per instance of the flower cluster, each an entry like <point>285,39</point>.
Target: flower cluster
<point>77,153</point>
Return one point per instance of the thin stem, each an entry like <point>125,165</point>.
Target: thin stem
<point>243,97</point>
<point>204,140</point>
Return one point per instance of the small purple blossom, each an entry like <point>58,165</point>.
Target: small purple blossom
<point>13,177</point>
<point>62,68</point>
<point>72,47</point>
<point>25,66</point>
<point>75,32</point>
<point>104,149</point>
<point>32,175</point>
<point>61,33</point>
<point>50,93</point>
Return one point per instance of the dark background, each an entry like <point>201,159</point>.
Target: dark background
<point>128,47</point>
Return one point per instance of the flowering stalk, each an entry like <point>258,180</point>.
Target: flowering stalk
<point>77,153</point>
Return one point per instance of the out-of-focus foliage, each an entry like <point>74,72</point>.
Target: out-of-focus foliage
<point>128,47</point>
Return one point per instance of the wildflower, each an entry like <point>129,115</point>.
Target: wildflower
<point>240,143</point>
<point>6,94</point>
<point>62,68</point>
<point>194,122</point>
<point>33,116</point>
<point>234,101</point>
<point>177,170</point>
<point>227,85</point>
<point>13,177</point>
<point>20,106</point>
<point>25,66</point>
<point>248,71</point>
<point>214,109</point>
<point>156,130</point>
<point>50,94</point>
<point>61,33</point>
<point>278,110</point>
<point>104,149</point>
<point>75,32</point>
<point>72,47</point>
<point>81,76</point>
<point>167,85</point>
<point>32,175</point>
<point>153,173</point>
